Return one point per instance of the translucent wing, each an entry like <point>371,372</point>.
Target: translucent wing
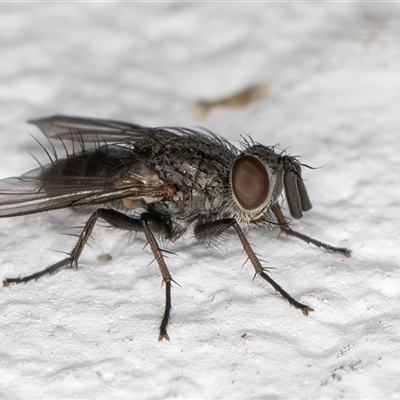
<point>26,194</point>
<point>53,186</point>
<point>100,131</point>
<point>89,129</point>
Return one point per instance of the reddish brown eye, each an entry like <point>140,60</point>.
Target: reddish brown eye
<point>250,182</point>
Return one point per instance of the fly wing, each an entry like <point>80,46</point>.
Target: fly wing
<point>38,190</point>
<point>89,129</point>
<point>29,194</point>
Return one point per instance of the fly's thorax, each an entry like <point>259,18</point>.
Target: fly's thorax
<point>256,183</point>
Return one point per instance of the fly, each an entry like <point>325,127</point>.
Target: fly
<point>161,181</point>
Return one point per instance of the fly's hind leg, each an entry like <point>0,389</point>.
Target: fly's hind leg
<point>285,228</point>
<point>72,260</point>
<point>69,262</point>
<point>147,223</point>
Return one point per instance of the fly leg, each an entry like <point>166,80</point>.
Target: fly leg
<point>148,223</point>
<point>285,228</point>
<point>147,220</point>
<point>111,216</point>
<point>208,230</point>
<point>69,262</point>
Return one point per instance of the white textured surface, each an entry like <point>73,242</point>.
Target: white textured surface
<point>333,72</point>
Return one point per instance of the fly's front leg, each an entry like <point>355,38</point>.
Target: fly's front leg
<point>285,228</point>
<point>115,218</point>
<point>260,271</point>
<point>147,220</point>
<point>209,230</point>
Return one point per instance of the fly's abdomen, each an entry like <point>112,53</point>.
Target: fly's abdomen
<point>104,162</point>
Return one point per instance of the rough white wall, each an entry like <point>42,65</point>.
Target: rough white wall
<point>333,74</point>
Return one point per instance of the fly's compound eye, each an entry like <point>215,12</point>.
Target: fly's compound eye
<point>250,183</point>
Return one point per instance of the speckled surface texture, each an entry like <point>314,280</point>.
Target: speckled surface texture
<point>333,76</point>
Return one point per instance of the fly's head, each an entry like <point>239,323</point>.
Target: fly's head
<point>257,179</point>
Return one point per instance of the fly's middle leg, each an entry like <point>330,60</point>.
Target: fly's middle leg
<point>146,220</point>
<point>149,223</point>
